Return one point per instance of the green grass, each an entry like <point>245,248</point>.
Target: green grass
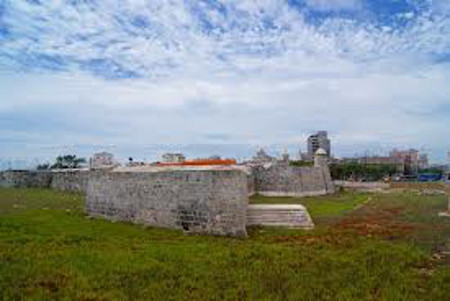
<point>50,251</point>
<point>319,207</point>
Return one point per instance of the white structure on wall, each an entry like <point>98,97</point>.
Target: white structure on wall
<point>320,158</point>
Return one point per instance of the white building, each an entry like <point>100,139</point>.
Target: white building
<point>102,160</point>
<point>173,158</point>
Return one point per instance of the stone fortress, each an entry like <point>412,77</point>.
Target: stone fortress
<point>272,177</point>
<point>208,199</point>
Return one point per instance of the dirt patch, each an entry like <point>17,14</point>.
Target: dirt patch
<point>335,238</point>
<point>376,226</point>
<point>372,221</point>
<point>367,220</point>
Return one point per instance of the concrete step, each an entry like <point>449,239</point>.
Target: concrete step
<point>292,216</point>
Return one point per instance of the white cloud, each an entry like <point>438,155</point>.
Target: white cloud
<point>441,6</point>
<point>374,109</point>
<point>173,37</point>
<point>330,5</point>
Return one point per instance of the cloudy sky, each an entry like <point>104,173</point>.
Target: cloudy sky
<point>143,76</point>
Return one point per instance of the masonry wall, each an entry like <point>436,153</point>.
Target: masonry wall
<point>62,180</point>
<point>24,179</point>
<point>200,201</point>
<point>70,180</point>
<point>283,180</point>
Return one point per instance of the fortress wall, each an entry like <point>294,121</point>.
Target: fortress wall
<point>25,178</point>
<point>62,180</point>
<point>197,201</point>
<point>285,180</point>
<point>70,180</point>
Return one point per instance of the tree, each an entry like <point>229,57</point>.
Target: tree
<point>44,166</point>
<point>67,161</point>
<point>362,172</point>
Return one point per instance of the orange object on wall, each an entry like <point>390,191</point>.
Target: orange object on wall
<point>201,162</point>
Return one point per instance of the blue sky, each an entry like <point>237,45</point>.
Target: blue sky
<point>223,76</point>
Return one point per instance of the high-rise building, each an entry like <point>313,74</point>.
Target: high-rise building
<point>319,140</point>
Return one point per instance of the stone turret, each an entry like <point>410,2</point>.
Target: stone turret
<point>320,158</point>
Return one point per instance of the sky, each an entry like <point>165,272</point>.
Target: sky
<point>141,77</point>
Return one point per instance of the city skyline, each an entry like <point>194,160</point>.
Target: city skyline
<point>142,73</point>
<point>153,153</point>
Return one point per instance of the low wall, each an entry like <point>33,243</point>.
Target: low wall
<point>24,179</point>
<point>362,185</point>
<point>62,180</point>
<point>197,201</point>
<point>418,185</point>
<point>284,180</point>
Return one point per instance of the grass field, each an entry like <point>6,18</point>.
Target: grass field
<point>392,247</point>
<point>319,207</point>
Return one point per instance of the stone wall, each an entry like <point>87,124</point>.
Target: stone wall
<point>70,180</point>
<point>210,200</point>
<point>62,180</point>
<point>24,179</point>
<point>197,201</point>
<point>280,179</point>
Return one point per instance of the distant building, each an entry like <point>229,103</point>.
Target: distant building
<point>102,160</point>
<point>406,162</point>
<point>423,161</point>
<point>399,163</point>
<point>173,158</point>
<point>410,158</point>
<point>316,141</point>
